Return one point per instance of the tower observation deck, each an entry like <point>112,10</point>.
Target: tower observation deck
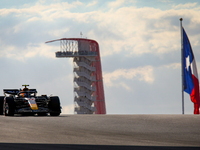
<point>88,82</point>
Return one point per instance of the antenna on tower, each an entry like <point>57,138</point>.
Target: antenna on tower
<point>81,34</point>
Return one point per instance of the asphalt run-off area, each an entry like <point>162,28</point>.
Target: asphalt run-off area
<point>100,132</point>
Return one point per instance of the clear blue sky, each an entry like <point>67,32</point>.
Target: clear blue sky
<point>139,44</point>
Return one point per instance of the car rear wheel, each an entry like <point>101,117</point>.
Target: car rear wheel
<point>54,106</point>
<point>1,104</point>
<point>9,106</point>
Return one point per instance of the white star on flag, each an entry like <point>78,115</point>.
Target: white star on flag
<point>187,61</point>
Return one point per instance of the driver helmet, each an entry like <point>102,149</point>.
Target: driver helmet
<point>24,94</point>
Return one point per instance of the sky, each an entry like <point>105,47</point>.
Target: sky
<point>140,48</point>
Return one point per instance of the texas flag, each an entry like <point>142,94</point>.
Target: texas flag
<point>190,75</point>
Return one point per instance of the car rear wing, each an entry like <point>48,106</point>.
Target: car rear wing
<point>32,90</point>
<point>16,91</point>
<point>11,91</point>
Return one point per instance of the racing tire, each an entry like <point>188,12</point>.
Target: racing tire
<point>54,106</point>
<point>1,104</point>
<point>9,106</point>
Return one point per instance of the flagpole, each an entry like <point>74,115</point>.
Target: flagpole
<point>181,19</point>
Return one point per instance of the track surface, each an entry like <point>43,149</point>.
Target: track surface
<point>101,132</point>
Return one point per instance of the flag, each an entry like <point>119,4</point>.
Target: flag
<point>190,74</point>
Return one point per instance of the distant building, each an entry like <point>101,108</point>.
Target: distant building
<point>88,82</point>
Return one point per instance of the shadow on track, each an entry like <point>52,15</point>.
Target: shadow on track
<point>19,146</point>
<point>33,115</point>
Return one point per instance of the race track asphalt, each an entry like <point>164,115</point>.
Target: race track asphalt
<point>100,132</point>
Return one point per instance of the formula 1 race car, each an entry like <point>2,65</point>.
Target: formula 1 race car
<point>26,102</point>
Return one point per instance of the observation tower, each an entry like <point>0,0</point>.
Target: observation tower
<point>88,82</point>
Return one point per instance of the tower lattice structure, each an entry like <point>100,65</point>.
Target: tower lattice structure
<point>88,82</point>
